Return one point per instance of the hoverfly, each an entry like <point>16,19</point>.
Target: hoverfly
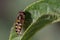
<point>19,22</point>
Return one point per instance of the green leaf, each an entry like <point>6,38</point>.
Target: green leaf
<point>38,15</point>
<point>40,23</point>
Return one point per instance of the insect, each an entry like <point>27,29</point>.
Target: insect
<point>19,22</point>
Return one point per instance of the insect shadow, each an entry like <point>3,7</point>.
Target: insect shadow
<point>28,20</point>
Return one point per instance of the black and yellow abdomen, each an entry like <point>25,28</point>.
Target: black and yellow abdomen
<point>19,22</point>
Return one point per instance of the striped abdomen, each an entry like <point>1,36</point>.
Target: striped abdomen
<point>19,22</point>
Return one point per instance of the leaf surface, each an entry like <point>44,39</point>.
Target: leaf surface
<point>38,15</point>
